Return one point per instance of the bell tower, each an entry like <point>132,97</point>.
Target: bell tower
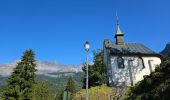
<point>119,36</point>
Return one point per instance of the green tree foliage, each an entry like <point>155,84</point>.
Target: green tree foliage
<point>2,88</point>
<point>41,91</point>
<point>71,85</point>
<point>96,71</point>
<point>24,84</point>
<point>156,86</point>
<point>59,95</point>
<point>63,83</point>
<point>22,79</point>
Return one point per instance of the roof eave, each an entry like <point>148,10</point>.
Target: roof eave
<point>138,54</point>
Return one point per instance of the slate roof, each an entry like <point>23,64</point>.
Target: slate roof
<point>129,48</point>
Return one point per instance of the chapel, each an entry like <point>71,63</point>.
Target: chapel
<point>127,63</point>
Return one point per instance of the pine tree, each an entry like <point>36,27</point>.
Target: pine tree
<point>70,89</point>
<point>96,71</point>
<point>71,85</point>
<point>22,78</point>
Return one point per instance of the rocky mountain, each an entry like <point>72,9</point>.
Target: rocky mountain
<point>43,68</point>
<point>166,51</point>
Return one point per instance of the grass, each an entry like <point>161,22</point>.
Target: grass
<point>102,92</point>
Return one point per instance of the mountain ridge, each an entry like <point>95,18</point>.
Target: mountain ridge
<point>166,50</point>
<point>43,67</point>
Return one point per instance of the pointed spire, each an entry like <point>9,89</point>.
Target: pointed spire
<point>119,36</point>
<point>118,30</point>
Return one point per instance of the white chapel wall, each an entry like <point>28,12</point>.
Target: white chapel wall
<point>121,76</point>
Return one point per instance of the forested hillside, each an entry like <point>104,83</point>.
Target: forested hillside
<point>25,83</point>
<point>56,84</point>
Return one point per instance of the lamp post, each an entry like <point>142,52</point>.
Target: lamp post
<point>87,47</point>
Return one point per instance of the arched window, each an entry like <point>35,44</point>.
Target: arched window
<point>141,62</point>
<point>150,65</point>
<point>120,62</point>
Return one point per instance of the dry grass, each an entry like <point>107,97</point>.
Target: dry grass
<point>96,93</point>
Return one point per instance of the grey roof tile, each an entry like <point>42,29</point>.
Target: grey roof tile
<point>130,48</point>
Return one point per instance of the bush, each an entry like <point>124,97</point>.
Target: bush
<point>148,81</point>
<point>157,75</point>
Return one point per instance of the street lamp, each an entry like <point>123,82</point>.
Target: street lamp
<point>87,47</point>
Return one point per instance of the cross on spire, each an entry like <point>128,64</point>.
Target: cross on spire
<point>117,19</point>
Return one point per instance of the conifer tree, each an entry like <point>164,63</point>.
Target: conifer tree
<point>96,71</point>
<point>70,88</point>
<point>70,85</point>
<point>22,78</point>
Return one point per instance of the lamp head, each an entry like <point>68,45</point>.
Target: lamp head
<point>87,46</point>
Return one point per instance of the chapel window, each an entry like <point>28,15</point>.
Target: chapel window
<point>150,65</point>
<point>141,62</point>
<point>120,62</point>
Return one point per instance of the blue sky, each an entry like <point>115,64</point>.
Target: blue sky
<point>57,29</point>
